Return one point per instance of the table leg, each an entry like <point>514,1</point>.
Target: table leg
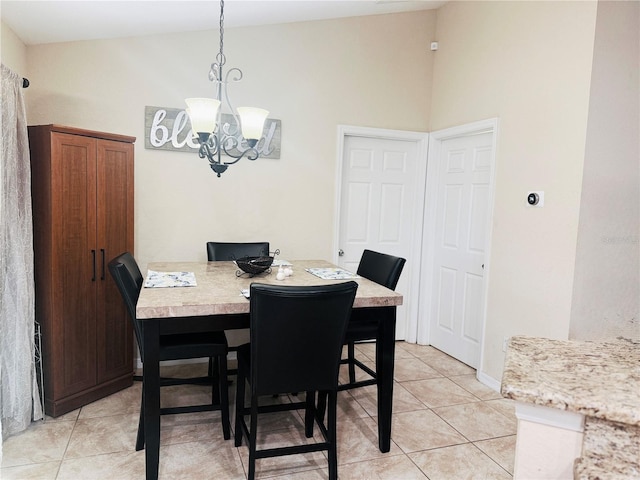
<point>151,397</point>
<point>385,356</point>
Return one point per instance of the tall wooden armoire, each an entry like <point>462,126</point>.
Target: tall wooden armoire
<point>82,191</point>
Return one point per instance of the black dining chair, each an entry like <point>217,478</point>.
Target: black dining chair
<point>385,270</point>
<point>224,251</point>
<point>297,335</point>
<point>129,280</point>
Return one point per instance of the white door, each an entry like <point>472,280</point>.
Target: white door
<point>462,197</point>
<point>381,205</point>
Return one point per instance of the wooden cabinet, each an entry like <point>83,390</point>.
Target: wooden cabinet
<point>82,191</point>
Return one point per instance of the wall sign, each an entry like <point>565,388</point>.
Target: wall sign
<point>170,129</point>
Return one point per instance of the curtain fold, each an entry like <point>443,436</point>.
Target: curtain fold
<point>19,393</point>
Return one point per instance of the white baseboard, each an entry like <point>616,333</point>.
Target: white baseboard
<point>490,382</point>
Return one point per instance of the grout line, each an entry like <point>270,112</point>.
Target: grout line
<point>406,355</point>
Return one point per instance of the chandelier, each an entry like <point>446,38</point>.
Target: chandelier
<point>236,140</point>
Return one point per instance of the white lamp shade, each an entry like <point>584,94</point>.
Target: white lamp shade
<point>252,122</point>
<point>203,113</point>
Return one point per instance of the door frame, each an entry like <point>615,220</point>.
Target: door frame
<point>422,143</point>
<point>436,138</point>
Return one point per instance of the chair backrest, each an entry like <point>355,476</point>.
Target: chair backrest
<point>223,251</point>
<point>125,272</point>
<point>297,335</point>
<point>381,268</point>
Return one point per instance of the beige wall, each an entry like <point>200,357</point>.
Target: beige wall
<point>529,64</point>
<point>13,53</point>
<point>606,290</point>
<point>370,71</point>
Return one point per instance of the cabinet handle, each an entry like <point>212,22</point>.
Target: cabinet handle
<point>93,254</point>
<point>102,277</point>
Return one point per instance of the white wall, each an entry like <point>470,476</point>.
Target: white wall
<point>371,71</point>
<point>13,53</point>
<point>529,64</point>
<point>606,290</point>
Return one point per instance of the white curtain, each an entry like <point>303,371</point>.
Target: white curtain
<point>19,396</point>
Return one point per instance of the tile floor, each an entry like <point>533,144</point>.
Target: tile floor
<point>446,425</point>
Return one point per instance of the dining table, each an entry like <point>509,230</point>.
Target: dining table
<point>216,299</point>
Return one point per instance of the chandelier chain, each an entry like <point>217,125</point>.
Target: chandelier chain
<point>221,57</point>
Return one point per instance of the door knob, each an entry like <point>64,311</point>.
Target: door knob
<point>341,253</point>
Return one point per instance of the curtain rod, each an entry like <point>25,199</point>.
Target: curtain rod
<point>25,82</point>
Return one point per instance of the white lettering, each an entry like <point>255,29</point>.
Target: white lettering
<point>192,140</point>
<point>265,149</point>
<point>178,125</point>
<point>156,127</point>
<point>169,129</point>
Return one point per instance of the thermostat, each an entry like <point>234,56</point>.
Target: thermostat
<point>535,199</point>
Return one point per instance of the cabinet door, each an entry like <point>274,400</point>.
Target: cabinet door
<point>115,235</point>
<point>74,275</point>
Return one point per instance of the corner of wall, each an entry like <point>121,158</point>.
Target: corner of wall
<point>606,289</point>
<point>13,52</point>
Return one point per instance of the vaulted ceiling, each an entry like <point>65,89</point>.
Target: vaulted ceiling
<point>51,21</point>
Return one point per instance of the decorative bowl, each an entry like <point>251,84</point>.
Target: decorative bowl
<point>254,265</point>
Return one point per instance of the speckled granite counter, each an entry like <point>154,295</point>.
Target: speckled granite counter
<point>598,380</point>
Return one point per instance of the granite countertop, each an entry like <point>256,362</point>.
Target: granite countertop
<point>600,380</point>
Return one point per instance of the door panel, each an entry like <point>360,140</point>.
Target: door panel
<point>461,222</point>
<point>359,199</point>
<point>74,197</point>
<point>115,236</point>
<point>390,219</point>
<point>473,300</point>
<point>380,197</point>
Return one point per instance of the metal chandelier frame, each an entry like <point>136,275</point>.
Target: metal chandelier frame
<point>226,138</point>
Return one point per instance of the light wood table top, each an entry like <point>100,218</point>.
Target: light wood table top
<point>218,289</point>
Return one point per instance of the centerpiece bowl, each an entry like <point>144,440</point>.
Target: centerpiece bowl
<point>254,265</point>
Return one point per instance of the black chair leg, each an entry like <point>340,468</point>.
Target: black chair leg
<point>223,389</point>
<point>351,355</point>
<point>140,436</point>
<point>213,374</point>
<point>332,453</point>
<point>239,408</point>
<point>309,414</point>
<point>321,407</point>
<point>253,437</point>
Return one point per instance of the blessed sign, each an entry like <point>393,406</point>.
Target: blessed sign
<point>170,129</point>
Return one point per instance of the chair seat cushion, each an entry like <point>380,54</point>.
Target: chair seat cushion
<point>363,325</point>
<point>361,331</point>
<point>192,345</point>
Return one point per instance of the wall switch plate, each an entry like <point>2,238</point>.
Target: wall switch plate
<point>434,46</point>
<point>535,199</point>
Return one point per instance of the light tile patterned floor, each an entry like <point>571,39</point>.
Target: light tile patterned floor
<point>446,426</point>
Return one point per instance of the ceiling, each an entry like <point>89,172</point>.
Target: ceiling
<point>52,21</point>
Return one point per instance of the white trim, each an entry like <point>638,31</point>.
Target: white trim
<point>550,416</point>
<point>436,138</point>
<point>490,382</point>
<point>422,142</point>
